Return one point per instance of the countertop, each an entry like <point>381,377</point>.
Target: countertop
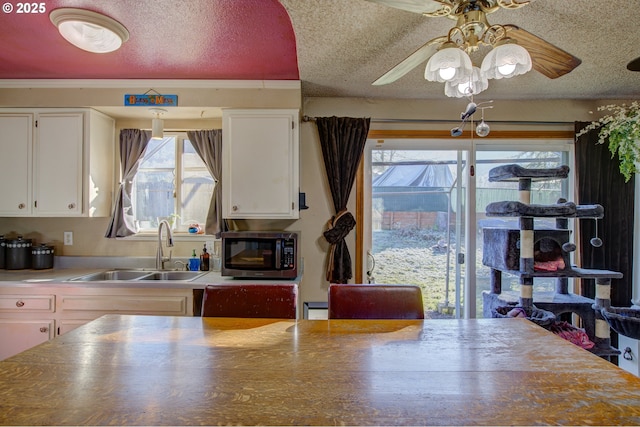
<point>67,268</point>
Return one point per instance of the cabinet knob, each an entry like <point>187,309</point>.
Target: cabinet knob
<point>235,208</point>
<point>21,206</point>
<point>19,303</point>
<point>44,329</point>
<point>72,206</point>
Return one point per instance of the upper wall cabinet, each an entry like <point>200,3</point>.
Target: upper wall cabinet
<point>56,162</point>
<point>260,168</point>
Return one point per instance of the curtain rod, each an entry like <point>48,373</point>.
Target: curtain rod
<point>520,122</point>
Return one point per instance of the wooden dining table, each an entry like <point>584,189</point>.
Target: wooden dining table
<point>154,370</point>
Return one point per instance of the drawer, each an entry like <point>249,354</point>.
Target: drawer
<point>27,303</point>
<point>160,305</point>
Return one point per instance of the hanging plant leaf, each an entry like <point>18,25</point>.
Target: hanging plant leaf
<point>621,131</point>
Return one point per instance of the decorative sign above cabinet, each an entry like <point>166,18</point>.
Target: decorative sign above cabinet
<point>145,100</point>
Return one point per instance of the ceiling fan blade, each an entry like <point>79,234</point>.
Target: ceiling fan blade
<point>547,59</point>
<point>418,6</point>
<point>412,61</point>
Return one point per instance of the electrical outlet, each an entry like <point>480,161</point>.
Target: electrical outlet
<point>68,238</point>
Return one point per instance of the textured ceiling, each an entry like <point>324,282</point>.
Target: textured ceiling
<point>335,47</point>
<point>344,45</point>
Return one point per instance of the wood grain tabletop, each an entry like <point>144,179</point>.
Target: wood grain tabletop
<point>153,370</point>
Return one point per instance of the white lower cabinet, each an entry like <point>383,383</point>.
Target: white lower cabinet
<point>33,315</point>
<point>26,319</point>
<point>19,335</point>
<point>78,308</point>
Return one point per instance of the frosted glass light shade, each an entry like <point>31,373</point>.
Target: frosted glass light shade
<point>473,85</point>
<point>450,64</point>
<point>505,61</point>
<point>89,30</point>
<point>157,129</point>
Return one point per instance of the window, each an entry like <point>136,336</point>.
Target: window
<point>172,183</point>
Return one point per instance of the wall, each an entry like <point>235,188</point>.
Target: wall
<point>89,232</point>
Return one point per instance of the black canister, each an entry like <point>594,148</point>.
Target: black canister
<point>42,257</point>
<point>2,250</point>
<point>17,254</point>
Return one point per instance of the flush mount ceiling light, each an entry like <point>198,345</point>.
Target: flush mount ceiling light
<point>89,30</point>
<point>511,50</point>
<point>157,124</point>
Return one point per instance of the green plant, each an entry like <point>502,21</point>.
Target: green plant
<point>621,129</point>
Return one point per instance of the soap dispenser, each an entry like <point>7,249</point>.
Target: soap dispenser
<point>204,259</point>
<point>194,262</point>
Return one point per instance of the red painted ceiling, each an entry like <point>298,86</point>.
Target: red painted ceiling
<point>169,39</point>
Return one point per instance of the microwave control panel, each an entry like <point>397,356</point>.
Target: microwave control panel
<point>288,253</point>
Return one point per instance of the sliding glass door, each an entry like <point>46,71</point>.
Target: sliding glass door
<point>424,213</point>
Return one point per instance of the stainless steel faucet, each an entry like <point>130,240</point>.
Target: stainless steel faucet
<point>160,258</point>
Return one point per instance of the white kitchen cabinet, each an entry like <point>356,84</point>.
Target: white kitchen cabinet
<point>260,168</point>
<point>16,136</point>
<point>77,306</point>
<point>26,320</point>
<point>32,315</point>
<point>85,304</point>
<point>56,162</point>
<point>17,336</point>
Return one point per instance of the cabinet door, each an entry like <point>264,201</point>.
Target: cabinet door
<point>58,164</point>
<point>20,335</point>
<point>260,164</point>
<point>16,136</point>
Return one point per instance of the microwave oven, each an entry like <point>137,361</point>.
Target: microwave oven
<point>259,254</point>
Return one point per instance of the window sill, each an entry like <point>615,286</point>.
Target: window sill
<point>177,237</point>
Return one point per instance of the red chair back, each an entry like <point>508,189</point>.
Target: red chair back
<point>257,300</point>
<point>375,301</point>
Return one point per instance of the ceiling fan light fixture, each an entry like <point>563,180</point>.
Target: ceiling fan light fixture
<point>473,85</point>
<point>89,30</point>
<point>449,64</point>
<point>506,60</point>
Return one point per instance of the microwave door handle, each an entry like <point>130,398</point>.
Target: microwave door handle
<point>278,265</point>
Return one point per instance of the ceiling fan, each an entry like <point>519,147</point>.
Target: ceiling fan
<point>473,32</point>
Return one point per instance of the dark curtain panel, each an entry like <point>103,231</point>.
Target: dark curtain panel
<point>599,181</point>
<point>342,140</point>
<point>208,145</point>
<point>133,142</point>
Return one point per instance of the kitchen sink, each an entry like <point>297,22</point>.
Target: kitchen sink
<point>129,275</point>
<point>111,275</point>
<point>173,275</point>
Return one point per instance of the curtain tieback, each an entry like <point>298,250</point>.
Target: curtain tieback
<point>338,227</point>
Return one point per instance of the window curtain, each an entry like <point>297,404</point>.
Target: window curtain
<point>208,145</point>
<point>342,140</point>
<point>133,142</point>
<point>599,181</point>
